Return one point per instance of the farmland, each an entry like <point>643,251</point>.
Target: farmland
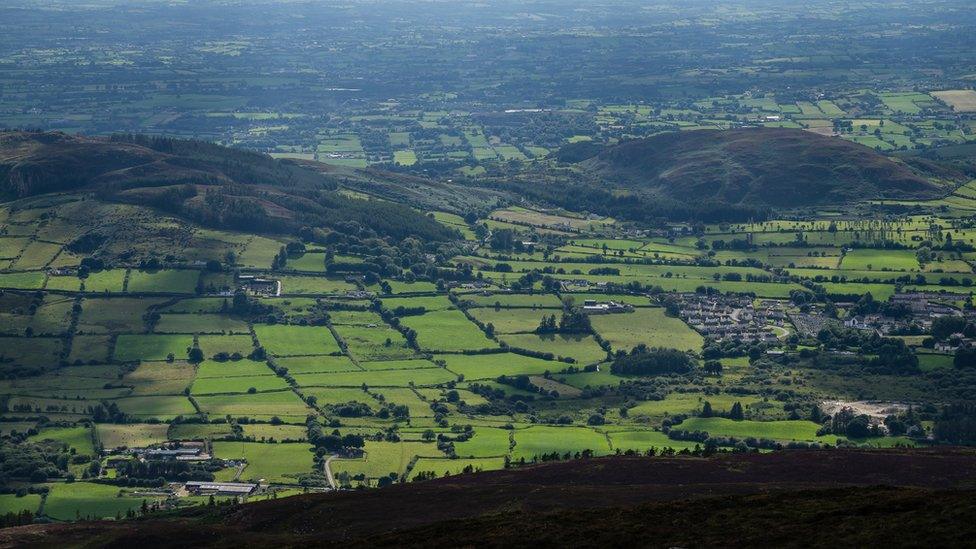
<point>346,248</point>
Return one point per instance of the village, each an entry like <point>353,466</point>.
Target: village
<point>726,317</point>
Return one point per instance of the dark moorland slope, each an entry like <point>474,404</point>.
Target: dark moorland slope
<point>833,498</point>
<point>782,168</point>
<point>206,183</point>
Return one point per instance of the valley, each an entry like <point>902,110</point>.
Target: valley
<point>276,365</point>
<point>529,273</point>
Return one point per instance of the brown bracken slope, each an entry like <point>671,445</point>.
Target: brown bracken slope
<point>792,498</point>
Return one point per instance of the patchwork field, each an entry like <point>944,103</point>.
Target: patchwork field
<point>282,463</point>
<point>285,340</point>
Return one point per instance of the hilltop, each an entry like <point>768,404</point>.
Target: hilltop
<point>205,183</point>
<point>665,501</point>
<point>780,168</point>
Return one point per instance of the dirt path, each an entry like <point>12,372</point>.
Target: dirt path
<point>328,472</point>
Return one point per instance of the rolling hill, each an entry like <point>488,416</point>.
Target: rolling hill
<point>780,168</point>
<point>202,182</point>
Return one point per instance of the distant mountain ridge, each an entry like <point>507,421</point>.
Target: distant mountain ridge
<point>781,168</point>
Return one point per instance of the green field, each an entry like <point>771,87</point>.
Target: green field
<point>378,342</point>
<point>11,503</point>
<point>649,326</point>
<point>79,439</point>
<point>537,440</point>
<point>895,260</point>
<point>174,281</point>
<point>151,347</point>
<point>775,430</point>
<point>85,499</point>
<point>237,384</point>
<point>200,324</point>
<point>135,435</point>
<point>447,331</point>
<point>230,344</point>
<point>509,321</point>
<point>381,378</point>
<point>285,340</point>
<point>156,407</point>
<point>383,458</point>
<point>446,467</point>
<point>316,364</point>
<point>641,441</point>
<point>583,349</point>
<point>487,441</point>
<point>279,463</point>
<point>490,366</point>
<point>284,404</point>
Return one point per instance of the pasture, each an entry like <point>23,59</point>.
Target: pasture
<point>129,348</point>
<point>284,404</point>
<point>868,260</point>
<point>289,340</point>
<point>490,366</point>
<point>442,467</point>
<point>78,439</point>
<point>12,503</point>
<point>383,458</point>
<point>132,435</point>
<point>447,330</point>
<point>280,463</point>
<point>166,281</point>
<point>784,430</point>
<point>510,321</point>
<point>582,348</point>
<point>649,326</point>
<point>487,441</point>
<point>89,500</point>
<point>541,439</point>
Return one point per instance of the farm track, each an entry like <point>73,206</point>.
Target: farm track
<point>327,469</point>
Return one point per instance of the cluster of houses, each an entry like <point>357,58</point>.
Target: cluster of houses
<point>923,306</point>
<point>722,317</point>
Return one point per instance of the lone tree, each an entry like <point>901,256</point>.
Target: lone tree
<point>195,355</point>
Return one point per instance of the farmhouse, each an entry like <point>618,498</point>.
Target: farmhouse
<point>359,294</point>
<point>254,285</point>
<point>593,307</point>
<point>168,453</point>
<point>199,488</point>
<point>61,271</point>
